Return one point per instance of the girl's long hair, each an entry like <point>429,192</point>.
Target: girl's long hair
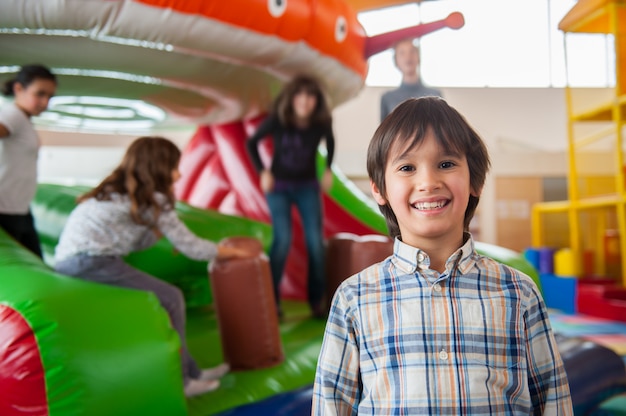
<point>283,104</point>
<point>146,169</point>
<point>26,75</point>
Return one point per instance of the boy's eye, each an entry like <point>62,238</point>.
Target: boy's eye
<point>447,165</point>
<point>406,168</point>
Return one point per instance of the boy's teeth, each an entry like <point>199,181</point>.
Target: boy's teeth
<point>429,205</point>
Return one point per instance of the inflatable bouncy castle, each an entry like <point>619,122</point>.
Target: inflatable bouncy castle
<point>74,348</point>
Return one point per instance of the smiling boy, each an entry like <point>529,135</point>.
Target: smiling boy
<point>436,328</point>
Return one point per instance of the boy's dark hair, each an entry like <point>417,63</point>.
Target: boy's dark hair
<point>283,105</point>
<point>26,75</point>
<point>406,127</point>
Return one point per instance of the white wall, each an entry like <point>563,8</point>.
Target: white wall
<point>82,158</point>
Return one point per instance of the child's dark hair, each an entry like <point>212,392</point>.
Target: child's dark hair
<point>283,105</point>
<point>145,169</point>
<point>26,75</point>
<point>406,127</point>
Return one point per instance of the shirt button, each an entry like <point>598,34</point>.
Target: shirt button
<point>443,355</point>
<point>437,287</point>
<point>421,257</point>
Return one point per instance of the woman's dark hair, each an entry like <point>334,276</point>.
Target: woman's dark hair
<point>406,127</point>
<point>145,169</point>
<point>26,75</point>
<point>283,104</point>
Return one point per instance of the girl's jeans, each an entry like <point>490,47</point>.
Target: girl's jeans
<point>307,201</point>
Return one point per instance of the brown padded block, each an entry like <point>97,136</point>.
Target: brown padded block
<point>348,254</point>
<point>246,310</point>
<point>251,244</point>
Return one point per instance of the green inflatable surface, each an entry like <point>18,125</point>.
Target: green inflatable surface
<point>110,351</point>
<point>105,351</point>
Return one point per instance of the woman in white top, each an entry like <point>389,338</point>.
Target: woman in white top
<point>32,87</point>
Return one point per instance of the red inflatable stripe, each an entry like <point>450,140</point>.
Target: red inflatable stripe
<point>22,381</point>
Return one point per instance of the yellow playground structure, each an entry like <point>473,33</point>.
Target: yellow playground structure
<point>590,227</point>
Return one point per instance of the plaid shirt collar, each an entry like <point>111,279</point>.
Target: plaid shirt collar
<point>413,260</point>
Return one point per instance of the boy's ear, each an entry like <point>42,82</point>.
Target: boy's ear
<point>18,88</point>
<point>378,197</point>
<point>475,193</point>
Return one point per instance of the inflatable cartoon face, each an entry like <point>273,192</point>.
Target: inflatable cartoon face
<point>199,62</point>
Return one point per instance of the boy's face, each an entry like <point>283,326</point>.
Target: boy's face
<point>428,191</point>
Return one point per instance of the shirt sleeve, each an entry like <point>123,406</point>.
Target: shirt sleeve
<point>147,240</point>
<point>12,118</point>
<point>183,239</point>
<point>384,111</point>
<point>252,144</point>
<point>547,380</point>
<point>337,382</point>
<point>330,146</point>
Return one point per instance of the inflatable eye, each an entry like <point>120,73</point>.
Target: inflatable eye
<point>277,7</point>
<point>341,29</point>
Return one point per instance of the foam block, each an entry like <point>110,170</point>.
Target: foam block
<point>246,309</point>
